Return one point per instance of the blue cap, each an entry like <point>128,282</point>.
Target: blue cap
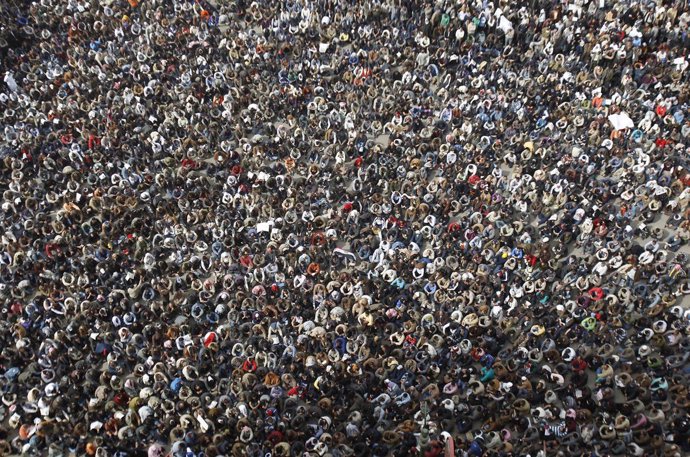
<point>679,116</point>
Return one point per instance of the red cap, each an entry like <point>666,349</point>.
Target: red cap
<point>210,338</point>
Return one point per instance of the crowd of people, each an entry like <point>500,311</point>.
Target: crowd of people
<point>344,228</point>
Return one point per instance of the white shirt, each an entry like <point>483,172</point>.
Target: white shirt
<point>10,81</point>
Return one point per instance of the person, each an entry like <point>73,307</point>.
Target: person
<point>10,82</point>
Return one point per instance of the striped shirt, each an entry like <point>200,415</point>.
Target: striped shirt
<point>558,431</point>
